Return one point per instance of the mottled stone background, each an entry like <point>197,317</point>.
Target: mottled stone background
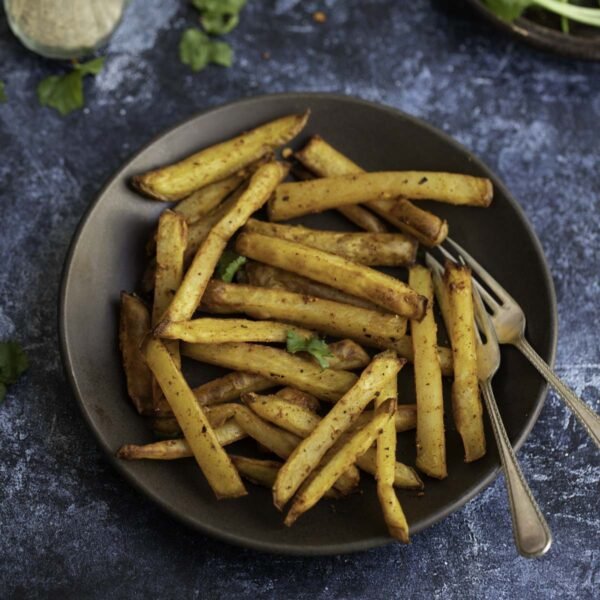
<point>69,526</point>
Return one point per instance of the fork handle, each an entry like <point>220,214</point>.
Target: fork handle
<point>587,417</point>
<point>531,532</point>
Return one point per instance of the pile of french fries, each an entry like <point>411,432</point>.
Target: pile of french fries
<point>324,417</point>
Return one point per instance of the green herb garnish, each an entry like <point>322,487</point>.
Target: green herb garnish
<point>229,264</point>
<point>509,10</point>
<point>219,17</point>
<point>197,50</point>
<point>65,92</point>
<point>3,97</point>
<point>13,361</point>
<point>313,345</point>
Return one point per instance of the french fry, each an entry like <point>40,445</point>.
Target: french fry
<point>386,466</point>
<point>421,224</point>
<point>261,275</point>
<point>227,434</point>
<point>431,442</point>
<point>282,443</point>
<point>347,354</point>
<point>190,291</point>
<point>263,472</point>
<point>356,214</point>
<point>171,239</point>
<point>372,328</point>
<point>230,387</point>
<point>380,249</point>
<point>405,418</point>
<point>299,398</point>
<point>291,417</point>
<point>134,324</point>
<point>215,163</point>
<point>201,202</point>
<point>346,456</point>
<point>212,459</point>
<point>311,450</point>
<point>166,426</point>
<point>295,199</point>
<point>352,278</point>
<point>405,477</point>
<point>466,402</point>
<point>277,365</point>
<point>326,161</point>
<point>219,331</point>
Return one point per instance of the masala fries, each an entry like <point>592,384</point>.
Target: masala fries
<point>322,421</point>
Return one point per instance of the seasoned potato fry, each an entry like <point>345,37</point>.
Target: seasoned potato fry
<point>219,331</point>
<point>166,426</point>
<point>358,280</point>
<point>278,365</point>
<point>386,467</point>
<point>134,324</point>
<point>310,451</point>
<point>228,433</point>
<point>405,418</point>
<point>230,387</point>
<point>405,477</point>
<point>431,441</point>
<point>257,471</point>
<point>171,239</point>
<point>265,276</point>
<point>347,354</point>
<point>212,459</point>
<point>346,456</point>
<point>219,414</point>
<point>299,398</point>
<point>305,197</point>
<point>356,214</point>
<point>291,417</point>
<point>421,224</point>
<point>466,402</point>
<point>201,202</point>
<point>379,249</point>
<point>326,161</point>
<point>372,328</point>
<point>198,230</point>
<point>190,291</point>
<point>215,163</point>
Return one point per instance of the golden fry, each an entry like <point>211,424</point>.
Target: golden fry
<point>219,331</point>
<point>212,459</point>
<point>299,398</point>
<point>347,354</point>
<point>278,365</point>
<point>188,296</point>
<point>386,467</point>
<point>358,280</point>
<point>310,451</point>
<point>230,387</point>
<point>259,472</point>
<point>134,324</point>
<point>466,402</point>
<point>215,163</point>
<point>379,249</point>
<point>405,477</point>
<point>431,441</point>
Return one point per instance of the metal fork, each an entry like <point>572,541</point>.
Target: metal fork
<point>508,320</point>
<point>530,530</point>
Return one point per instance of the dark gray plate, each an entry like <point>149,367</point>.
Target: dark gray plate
<point>541,29</point>
<point>107,256</point>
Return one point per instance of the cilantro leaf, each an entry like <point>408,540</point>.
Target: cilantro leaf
<point>508,10</point>
<point>13,362</point>
<point>221,54</point>
<point>3,98</point>
<point>65,92</point>
<point>511,9</point>
<point>219,17</point>
<point>197,50</point>
<point>229,264</point>
<point>313,345</point>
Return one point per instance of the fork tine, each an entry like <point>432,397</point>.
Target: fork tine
<point>502,294</point>
<point>483,319</point>
<point>487,297</point>
<point>435,266</point>
<point>446,254</point>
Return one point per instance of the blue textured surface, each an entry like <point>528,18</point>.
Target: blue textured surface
<point>68,524</point>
